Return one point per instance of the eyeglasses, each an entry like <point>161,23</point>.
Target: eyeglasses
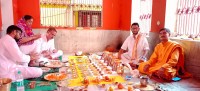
<point>163,32</point>
<point>19,32</point>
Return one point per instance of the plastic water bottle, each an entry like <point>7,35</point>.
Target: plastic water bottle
<point>127,73</point>
<point>19,81</point>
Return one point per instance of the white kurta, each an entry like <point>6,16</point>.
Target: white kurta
<point>48,45</point>
<point>27,49</point>
<point>128,45</point>
<point>11,57</point>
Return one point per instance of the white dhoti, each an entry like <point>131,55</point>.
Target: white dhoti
<point>127,58</point>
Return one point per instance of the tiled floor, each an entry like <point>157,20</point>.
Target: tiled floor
<point>189,84</point>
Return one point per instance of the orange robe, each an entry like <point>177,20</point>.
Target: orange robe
<point>170,56</point>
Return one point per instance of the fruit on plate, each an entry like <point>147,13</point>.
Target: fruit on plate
<point>55,76</point>
<point>54,64</point>
<point>107,78</point>
<point>97,79</point>
<point>116,83</point>
<point>130,88</point>
<point>120,86</point>
<point>110,88</point>
<point>103,85</point>
<point>86,81</point>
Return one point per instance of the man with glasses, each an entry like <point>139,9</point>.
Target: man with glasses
<point>11,58</point>
<point>134,48</point>
<point>167,60</point>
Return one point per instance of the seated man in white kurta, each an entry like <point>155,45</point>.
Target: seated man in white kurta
<point>134,48</point>
<point>46,45</point>
<point>11,57</point>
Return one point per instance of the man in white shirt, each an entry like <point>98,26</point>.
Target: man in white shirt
<point>46,46</point>
<point>135,47</point>
<point>11,57</point>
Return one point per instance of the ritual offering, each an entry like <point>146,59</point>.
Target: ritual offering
<point>111,88</point>
<point>120,86</point>
<point>107,78</point>
<point>55,77</point>
<point>45,69</point>
<point>54,64</point>
<point>130,88</point>
<point>86,81</point>
<point>85,71</point>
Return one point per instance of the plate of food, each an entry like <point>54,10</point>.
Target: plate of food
<point>55,77</point>
<point>45,69</point>
<point>54,64</point>
<point>148,87</point>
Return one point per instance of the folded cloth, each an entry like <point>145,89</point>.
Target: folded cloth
<point>176,79</point>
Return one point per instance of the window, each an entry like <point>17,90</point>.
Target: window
<point>71,13</point>
<point>182,18</point>
<point>188,18</point>
<point>145,15</point>
<point>141,12</point>
<point>89,18</point>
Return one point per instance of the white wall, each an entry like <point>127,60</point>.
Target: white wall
<point>7,14</point>
<point>170,15</point>
<point>142,8</point>
<point>135,11</point>
<point>86,40</point>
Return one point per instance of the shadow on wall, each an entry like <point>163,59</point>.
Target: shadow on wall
<point>0,34</point>
<point>115,47</point>
<point>153,40</point>
<point>112,48</point>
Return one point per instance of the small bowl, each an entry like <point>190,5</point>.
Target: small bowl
<point>67,64</point>
<point>128,77</point>
<point>79,53</point>
<point>5,84</point>
<point>144,81</point>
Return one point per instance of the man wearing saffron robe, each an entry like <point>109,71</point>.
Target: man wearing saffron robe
<point>167,60</point>
<point>134,48</point>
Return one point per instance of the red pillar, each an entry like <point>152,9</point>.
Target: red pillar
<point>30,7</point>
<point>158,15</point>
